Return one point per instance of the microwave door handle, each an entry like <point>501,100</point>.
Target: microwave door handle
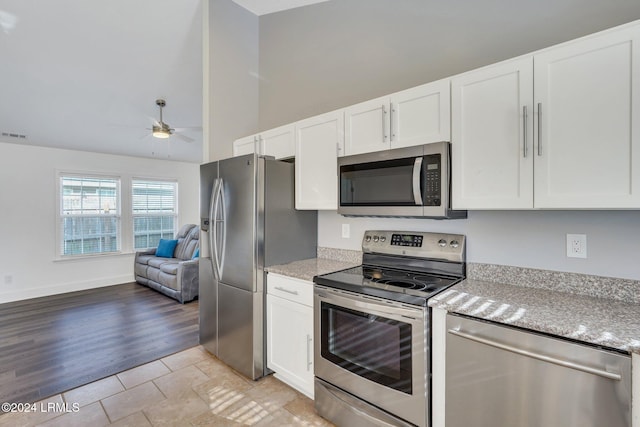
<point>417,172</point>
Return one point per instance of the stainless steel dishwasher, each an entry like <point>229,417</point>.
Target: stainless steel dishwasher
<point>500,376</point>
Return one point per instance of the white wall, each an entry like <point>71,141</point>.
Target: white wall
<point>233,76</point>
<point>28,203</point>
<point>535,239</point>
<point>330,55</point>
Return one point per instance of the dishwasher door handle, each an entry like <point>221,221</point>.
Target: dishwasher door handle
<point>544,358</point>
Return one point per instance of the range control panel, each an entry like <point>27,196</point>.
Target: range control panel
<point>450,247</point>
<point>413,240</point>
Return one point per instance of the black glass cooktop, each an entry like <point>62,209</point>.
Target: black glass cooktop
<point>394,284</point>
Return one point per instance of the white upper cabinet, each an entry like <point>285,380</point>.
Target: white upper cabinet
<point>245,145</point>
<point>421,115</point>
<point>367,126</point>
<point>318,141</point>
<point>587,96</point>
<point>572,143</point>
<point>416,116</point>
<point>278,142</point>
<point>492,137</point>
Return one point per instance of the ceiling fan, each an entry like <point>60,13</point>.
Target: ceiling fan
<point>163,130</point>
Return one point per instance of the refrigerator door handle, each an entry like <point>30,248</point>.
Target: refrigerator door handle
<point>213,220</point>
<point>223,221</point>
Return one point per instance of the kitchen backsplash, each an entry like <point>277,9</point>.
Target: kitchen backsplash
<point>583,284</point>
<point>346,255</point>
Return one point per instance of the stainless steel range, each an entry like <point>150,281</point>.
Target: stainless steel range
<point>372,328</point>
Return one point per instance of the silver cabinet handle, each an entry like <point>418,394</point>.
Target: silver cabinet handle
<point>539,128</point>
<point>391,122</point>
<point>259,146</point>
<point>524,131</point>
<point>384,121</point>
<point>309,361</point>
<point>279,288</point>
<point>542,357</point>
<point>417,171</point>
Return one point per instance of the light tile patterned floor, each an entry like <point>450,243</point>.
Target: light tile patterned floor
<point>190,388</point>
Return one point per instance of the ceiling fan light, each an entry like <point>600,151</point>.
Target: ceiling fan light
<point>161,133</point>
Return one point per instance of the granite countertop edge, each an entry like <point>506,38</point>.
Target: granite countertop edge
<point>598,321</point>
<point>308,268</point>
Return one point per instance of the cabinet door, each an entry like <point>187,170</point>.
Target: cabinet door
<point>421,115</point>
<point>587,96</point>
<point>491,137</point>
<point>278,142</point>
<point>246,145</point>
<point>318,141</point>
<point>367,126</point>
<point>290,342</point>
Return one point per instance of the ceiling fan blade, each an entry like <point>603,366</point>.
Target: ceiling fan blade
<point>196,128</point>
<point>183,137</point>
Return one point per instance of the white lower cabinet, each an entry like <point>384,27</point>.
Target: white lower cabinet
<point>290,331</point>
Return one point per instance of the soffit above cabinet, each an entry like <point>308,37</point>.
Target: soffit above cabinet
<point>264,7</point>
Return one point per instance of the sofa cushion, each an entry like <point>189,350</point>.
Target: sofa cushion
<point>169,280</point>
<point>140,269</point>
<point>169,267</point>
<point>187,245</point>
<point>158,262</point>
<point>166,248</point>
<point>144,259</point>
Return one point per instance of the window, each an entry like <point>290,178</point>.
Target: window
<point>154,212</point>
<point>89,215</point>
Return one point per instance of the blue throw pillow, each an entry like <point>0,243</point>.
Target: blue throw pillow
<point>166,247</point>
<point>196,254</point>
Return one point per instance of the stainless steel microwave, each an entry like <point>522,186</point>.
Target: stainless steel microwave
<point>405,182</point>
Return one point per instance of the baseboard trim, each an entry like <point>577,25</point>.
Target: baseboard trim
<point>46,291</point>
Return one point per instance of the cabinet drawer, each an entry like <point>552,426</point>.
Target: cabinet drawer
<point>296,290</point>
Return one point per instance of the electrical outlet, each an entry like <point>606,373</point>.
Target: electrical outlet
<point>577,245</point>
<point>346,231</point>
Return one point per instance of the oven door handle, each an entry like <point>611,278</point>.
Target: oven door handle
<point>417,173</point>
<point>373,308</point>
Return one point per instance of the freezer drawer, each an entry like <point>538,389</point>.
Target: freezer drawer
<point>503,376</point>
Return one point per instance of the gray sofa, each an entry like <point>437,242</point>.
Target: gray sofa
<point>176,277</point>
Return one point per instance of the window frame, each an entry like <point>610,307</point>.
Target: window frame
<point>174,215</point>
<point>60,215</point>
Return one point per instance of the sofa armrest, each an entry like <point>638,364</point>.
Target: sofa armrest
<point>188,275</point>
<point>150,251</point>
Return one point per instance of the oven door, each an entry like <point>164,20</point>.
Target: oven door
<point>374,349</point>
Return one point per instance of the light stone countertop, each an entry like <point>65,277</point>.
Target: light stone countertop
<point>328,261</point>
<point>308,268</point>
<point>600,321</point>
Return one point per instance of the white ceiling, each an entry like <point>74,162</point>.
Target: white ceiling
<point>85,75</point>
<point>264,7</point>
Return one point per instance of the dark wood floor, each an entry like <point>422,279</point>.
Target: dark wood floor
<point>53,344</point>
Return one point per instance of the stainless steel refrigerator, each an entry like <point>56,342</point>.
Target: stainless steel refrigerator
<point>248,222</point>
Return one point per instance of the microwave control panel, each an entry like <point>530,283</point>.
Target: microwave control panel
<point>432,180</point>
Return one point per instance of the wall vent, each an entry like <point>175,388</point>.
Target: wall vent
<point>14,135</point>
